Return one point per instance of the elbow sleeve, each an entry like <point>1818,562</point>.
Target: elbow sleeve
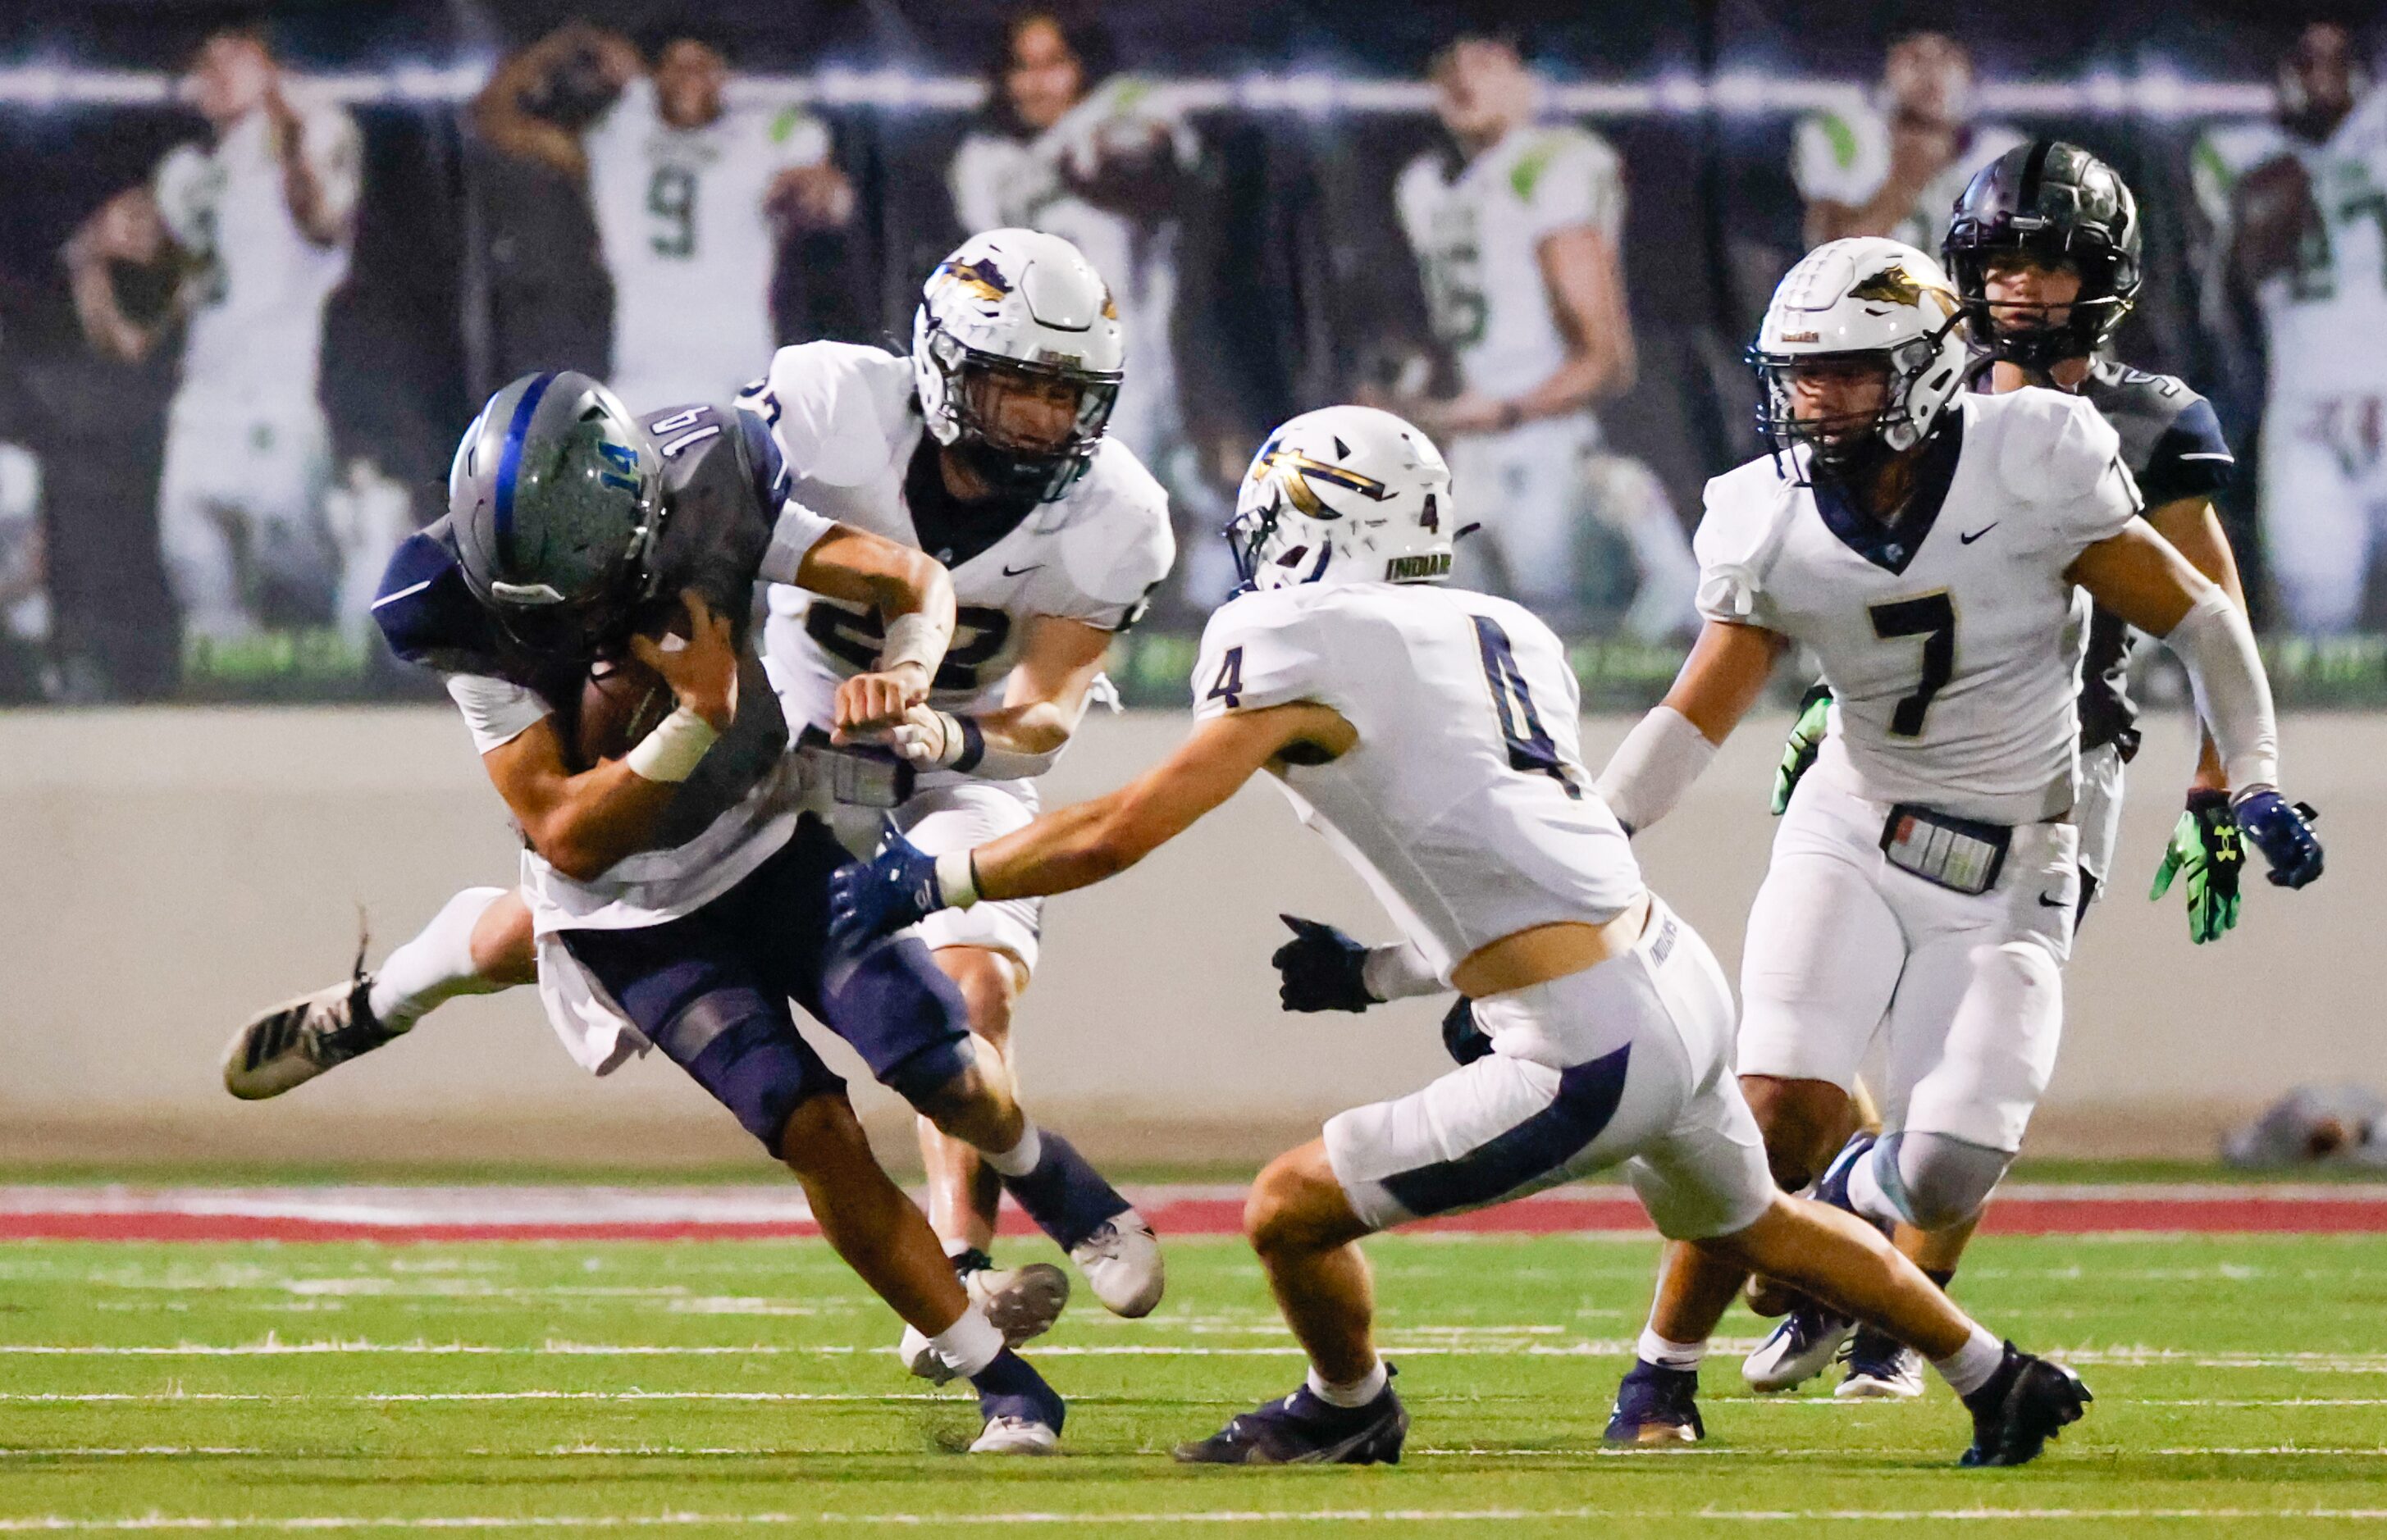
<point>1651,769</point>
<point>2233,695</point>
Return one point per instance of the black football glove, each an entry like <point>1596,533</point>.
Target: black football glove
<point>2283,833</point>
<point>1322,970</point>
<point>1461,1038</point>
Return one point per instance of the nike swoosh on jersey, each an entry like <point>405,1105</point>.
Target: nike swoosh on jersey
<point>2053,904</point>
<point>1022,571</point>
<point>1968,539</point>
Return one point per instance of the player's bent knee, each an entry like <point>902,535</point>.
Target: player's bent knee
<point>1298,1204</point>
<point>1804,1122</point>
<point>1943,1181</point>
<point>822,1135</point>
<point>942,1084</point>
<point>990,982</point>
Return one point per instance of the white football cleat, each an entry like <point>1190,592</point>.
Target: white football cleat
<point>1023,1303</point>
<point>1122,1263</point>
<point>1799,1349</point>
<point>1880,1370</point>
<point>298,1039</point>
<point>1016,1436</point>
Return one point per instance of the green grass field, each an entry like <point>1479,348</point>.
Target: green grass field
<point>724,1388</point>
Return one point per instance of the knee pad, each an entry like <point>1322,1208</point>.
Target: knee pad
<point>905,1018</point>
<point>1937,1181</point>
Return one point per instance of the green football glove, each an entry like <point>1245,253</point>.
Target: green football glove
<point>1806,737</point>
<point>2206,845</point>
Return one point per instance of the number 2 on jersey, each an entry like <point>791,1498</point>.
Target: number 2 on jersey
<point>1933,618</point>
<point>1530,746</point>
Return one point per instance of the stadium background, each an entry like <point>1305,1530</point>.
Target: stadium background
<point>174,866</point>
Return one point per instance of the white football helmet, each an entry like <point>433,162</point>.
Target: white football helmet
<point>1343,495</point>
<point>1861,296</point>
<point>1023,303</point>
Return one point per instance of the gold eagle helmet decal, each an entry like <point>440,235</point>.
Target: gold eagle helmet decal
<point>1292,471</point>
<point>1894,286</point>
<point>981,278</point>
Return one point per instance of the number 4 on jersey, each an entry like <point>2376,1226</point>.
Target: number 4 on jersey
<point>1229,685</point>
<point>1529,743</point>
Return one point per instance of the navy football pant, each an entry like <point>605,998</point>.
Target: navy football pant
<point>712,991</point>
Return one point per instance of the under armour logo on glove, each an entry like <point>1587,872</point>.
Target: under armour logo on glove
<point>894,888</point>
<point>2283,833</point>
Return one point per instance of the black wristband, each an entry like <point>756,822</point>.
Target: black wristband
<point>973,744</point>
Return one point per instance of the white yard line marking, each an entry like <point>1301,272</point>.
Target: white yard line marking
<point>1508,1342</point>
<point>55,1523</point>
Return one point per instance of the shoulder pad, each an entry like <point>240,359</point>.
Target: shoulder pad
<point>2050,446</point>
<point>836,409</point>
<point>427,613</point>
<point>1114,536</point>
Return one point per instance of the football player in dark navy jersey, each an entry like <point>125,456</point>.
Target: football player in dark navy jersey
<point>2044,247</point>
<point>676,887</point>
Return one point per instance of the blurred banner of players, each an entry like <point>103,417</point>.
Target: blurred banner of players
<point>260,260</point>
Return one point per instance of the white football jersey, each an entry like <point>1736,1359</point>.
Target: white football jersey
<point>690,250</point>
<point>1465,805</point>
<point>1948,639</point>
<point>999,181</point>
<point>847,425</point>
<point>257,291</point>
<point>1842,153</point>
<point>2324,317</point>
<point>1477,230</point>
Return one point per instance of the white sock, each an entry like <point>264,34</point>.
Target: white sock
<point>437,965</point>
<point>1021,1158</point>
<point>968,1345</point>
<point>1866,1193</point>
<point>1973,1364</point>
<point>1655,1349</point>
<point>1358,1392</point>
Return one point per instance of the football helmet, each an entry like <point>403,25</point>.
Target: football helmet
<point>1862,297</point>
<point>2057,203</point>
<point>1343,495</point>
<point>1027,305</point>
<point>555,498</point>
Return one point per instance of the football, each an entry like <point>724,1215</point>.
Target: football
<point>621,702</point>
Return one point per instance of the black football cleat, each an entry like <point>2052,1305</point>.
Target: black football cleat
<point>1303,1430</point>
<point>2023,1406</point>
<point>1656,1405</point>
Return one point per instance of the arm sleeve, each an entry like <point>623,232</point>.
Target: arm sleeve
<point>1251,660</point>
<point>2233,695</point>
<point>496,711</point>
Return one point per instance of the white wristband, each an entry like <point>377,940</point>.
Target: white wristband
<point>956,879</point>
<point>2225,669</point>
<point>671,752</point>
<point>914,638</point>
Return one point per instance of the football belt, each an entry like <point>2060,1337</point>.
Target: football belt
<point>1956,853</point>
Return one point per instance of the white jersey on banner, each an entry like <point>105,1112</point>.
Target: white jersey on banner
<point>1465,806</point>
<point>1000,181</point>
<point>1477,230</point>
<point>1947,639</point>
<point>1842,153</point>
<point>258,282</point>
<point>680,217</point>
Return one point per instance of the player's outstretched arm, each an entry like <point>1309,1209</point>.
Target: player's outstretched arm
<point>2137,574</point>
<point>2195,532</point>
<point>1078,845</point>
<point>914,597</point>
<point>503,116</point>
<point>1043,700</point>
<point>582,824</point>
<point>1666,749</point>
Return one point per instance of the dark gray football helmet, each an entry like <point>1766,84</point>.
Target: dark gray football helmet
<point>556,500</point>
